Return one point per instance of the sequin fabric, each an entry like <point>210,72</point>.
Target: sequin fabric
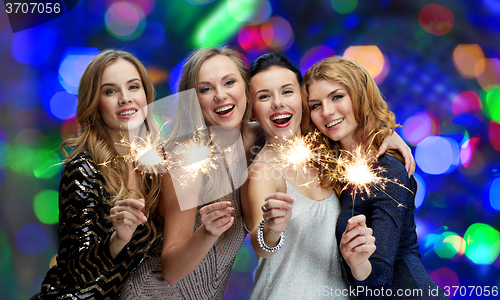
<point>208,280</point>
<point>85,268</point>
<point>396,263</point>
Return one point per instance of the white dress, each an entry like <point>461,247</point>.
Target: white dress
<point>308,264</point>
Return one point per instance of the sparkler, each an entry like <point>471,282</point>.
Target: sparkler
<point>299,152</point>
<point>146,152</point>
<point>357,169</point>
<point>197,155</point>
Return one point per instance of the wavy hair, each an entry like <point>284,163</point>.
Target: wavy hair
<point>375,120</point>
<point>92,136</point>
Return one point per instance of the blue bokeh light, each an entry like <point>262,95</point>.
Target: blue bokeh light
<point>47,87</point>
<point>437,155</point>
<point>33,46</point>
<point>494,194</point>
<point>73,63</point>
<point>421,191</point>
<point>32,239</point>
<point>175,76</point>
<point>154,34</point>
<point>63,105</point>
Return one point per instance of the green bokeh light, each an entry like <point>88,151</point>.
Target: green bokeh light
<point>45,205</point>
<point>493,104</point>
<point>216,29</point>
<point>483,243</point>
<point>241,10</point>
<point>4,149</point>
<point>245,260</point>
<point>20,158</point>
<point>448,244</point>
<point>344,6</point>
<point>46,164</point>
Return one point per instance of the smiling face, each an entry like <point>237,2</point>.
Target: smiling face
<point>331,111</point>
<point>277,103</point>
<point>122,98</point>
<point>221,92</point>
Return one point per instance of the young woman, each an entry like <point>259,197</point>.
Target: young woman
<point>200,244</point>
<point>277,197</point>
<point>103,202</point>
<point>345,105</point>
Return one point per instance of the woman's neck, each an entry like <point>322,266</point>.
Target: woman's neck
<point>117,137</point>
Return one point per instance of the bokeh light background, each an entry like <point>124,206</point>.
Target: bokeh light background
<point>438,65</point>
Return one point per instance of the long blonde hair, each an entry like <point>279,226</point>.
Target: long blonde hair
<point>375,120</point>
<point>93,137</point>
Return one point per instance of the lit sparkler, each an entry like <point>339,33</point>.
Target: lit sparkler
<point>299,152</point>
<point>357,169</point>
<point>196,155</point>
<point>146,152</point>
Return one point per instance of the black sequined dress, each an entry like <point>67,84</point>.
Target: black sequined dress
<point>397,270</point>
<point>85,268</point>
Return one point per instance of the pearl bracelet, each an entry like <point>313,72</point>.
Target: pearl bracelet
<point>260,239</point>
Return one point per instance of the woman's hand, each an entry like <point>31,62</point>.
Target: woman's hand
<point>394,141</point>
<point>277,211</point>
<point>125,215</point>
<point>216,217</point>
<point>357,245</point>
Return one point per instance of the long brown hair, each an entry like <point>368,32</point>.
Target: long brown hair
<point>93,137</point>
<point>375,120</point>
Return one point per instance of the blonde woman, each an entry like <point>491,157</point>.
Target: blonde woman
<point>346,106</point>
<point>201,244</point>
<point>103,201</point>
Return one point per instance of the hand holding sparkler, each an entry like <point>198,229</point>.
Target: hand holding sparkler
<point>277,211</point>
<point>357,245</point>
<point>216,217</point>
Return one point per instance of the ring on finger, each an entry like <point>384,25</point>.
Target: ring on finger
<point>366,240</point>
<point>264,208</point>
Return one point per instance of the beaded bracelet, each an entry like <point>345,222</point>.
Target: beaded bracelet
<point>260,239</point>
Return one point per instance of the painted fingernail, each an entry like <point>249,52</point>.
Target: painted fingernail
<point>290,205</point>
<point>292,199</point>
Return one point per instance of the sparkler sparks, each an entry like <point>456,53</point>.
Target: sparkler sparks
<point>197,154</point>
<point>299,152</point>
<point>147,153</point>
<point>357,169</point>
